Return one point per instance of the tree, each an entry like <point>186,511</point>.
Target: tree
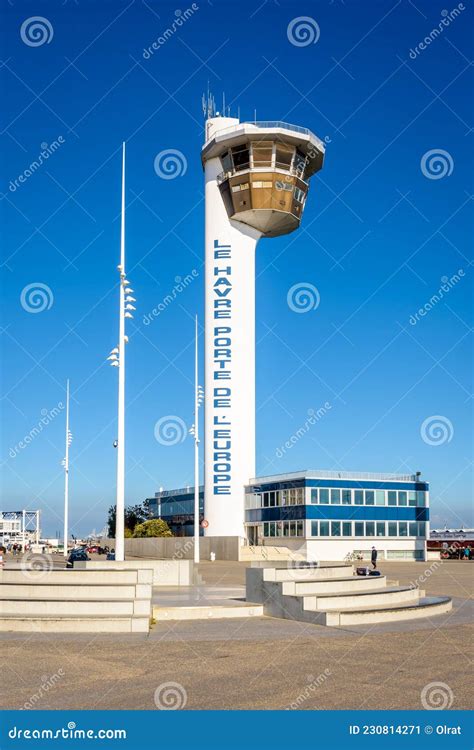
<point>134,515</point>
<point>156,527</point>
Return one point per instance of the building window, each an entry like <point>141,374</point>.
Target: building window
<point>346,497</point>
<point>347,528</point>
<point>241,156</point>
<point>314,528</point>
<point>392,497</point>
<point>283,156</point>
<point>283,497</point>
<point>323,496</point>
<point>369,528</point>
<point>261,184</point>
<point>402,498</point>
<point>335,497</point>
<point>299,528</point>
<point>412,499</point>
<point>420,499</point>
<point>324,528</point>
<point>314,496</point>
<point>226,162</point>
<point>392,528</point>
<point>380,497</point>
<point>359,528</point>
<point>358,497</point>
<point>421,528</point>
<point>402,528</point>
<point>369,497</point>
<point>300,195</point>
<point>335,528</point>
<point>413,528</point>
<point>299,163</point>
<point>262,154</point>
<point>380,528</point>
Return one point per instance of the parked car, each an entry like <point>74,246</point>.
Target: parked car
<point>77,555</point>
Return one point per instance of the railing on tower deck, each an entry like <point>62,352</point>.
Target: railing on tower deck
<point>356,475</point>
<point>269,124</point>
<point>282,169</point>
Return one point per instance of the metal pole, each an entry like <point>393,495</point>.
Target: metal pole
<point>196,446</point>
<point>66,475</point>
<point>120,505</point>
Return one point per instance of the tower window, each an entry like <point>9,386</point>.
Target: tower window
<point>262,154</point>
<point>240,156</point>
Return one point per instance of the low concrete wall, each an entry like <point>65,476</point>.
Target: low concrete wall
<point>180,548</point>
<point>165,572</point>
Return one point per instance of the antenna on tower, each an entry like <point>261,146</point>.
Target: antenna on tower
<point>208,104</point>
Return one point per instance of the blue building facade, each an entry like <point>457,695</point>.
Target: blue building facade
<point>323,514</point>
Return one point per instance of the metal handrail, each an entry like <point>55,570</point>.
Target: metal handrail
<point>355,475</point>
<point>222,176</point>
<point>269,124</point>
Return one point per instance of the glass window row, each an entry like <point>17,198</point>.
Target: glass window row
<point>275,499</point>
<point>260,154</point>
<point>283,528</point>
<point>368,528</point>
<point>400,498</point>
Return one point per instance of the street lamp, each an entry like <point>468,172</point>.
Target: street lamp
<point>117,359</point>
<point>194,430</point>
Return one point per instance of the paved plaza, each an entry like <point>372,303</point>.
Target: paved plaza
<point>255,663</point>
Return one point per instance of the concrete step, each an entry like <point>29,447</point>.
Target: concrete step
<point>20,624</point>
<point>307,573</point>
<point>334,586</point>
<point>217,612</point>
<point>368,599</point>
<point>64,608</point>
<point>73,577</point>
<point>425,607</point>
<point>93,592</point>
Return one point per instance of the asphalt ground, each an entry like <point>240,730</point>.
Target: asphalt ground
<point>256,663</point>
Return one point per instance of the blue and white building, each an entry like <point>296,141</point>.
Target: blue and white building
<point>324,515</point>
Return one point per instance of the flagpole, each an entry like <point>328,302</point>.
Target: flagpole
<point>66,475</point>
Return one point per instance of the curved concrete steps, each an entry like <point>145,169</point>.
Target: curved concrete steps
<point>424,607</point>
<point>216,612</point>
<point>339,602</point>
<point>369,599</point>
<point>330,586</point>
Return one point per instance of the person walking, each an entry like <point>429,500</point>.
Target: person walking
<point>373,558</point>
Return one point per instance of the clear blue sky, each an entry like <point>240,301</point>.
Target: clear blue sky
<point>377,237</point>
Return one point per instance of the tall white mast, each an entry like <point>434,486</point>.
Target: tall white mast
<point>66,474</point>
<point>196,445</point>
<point>120,504</point>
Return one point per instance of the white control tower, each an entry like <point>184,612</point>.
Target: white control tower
<point>256,176</point>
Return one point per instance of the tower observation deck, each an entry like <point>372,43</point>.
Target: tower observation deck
<point>256,185</point>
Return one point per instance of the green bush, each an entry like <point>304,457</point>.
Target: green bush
<point>156,527</point>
